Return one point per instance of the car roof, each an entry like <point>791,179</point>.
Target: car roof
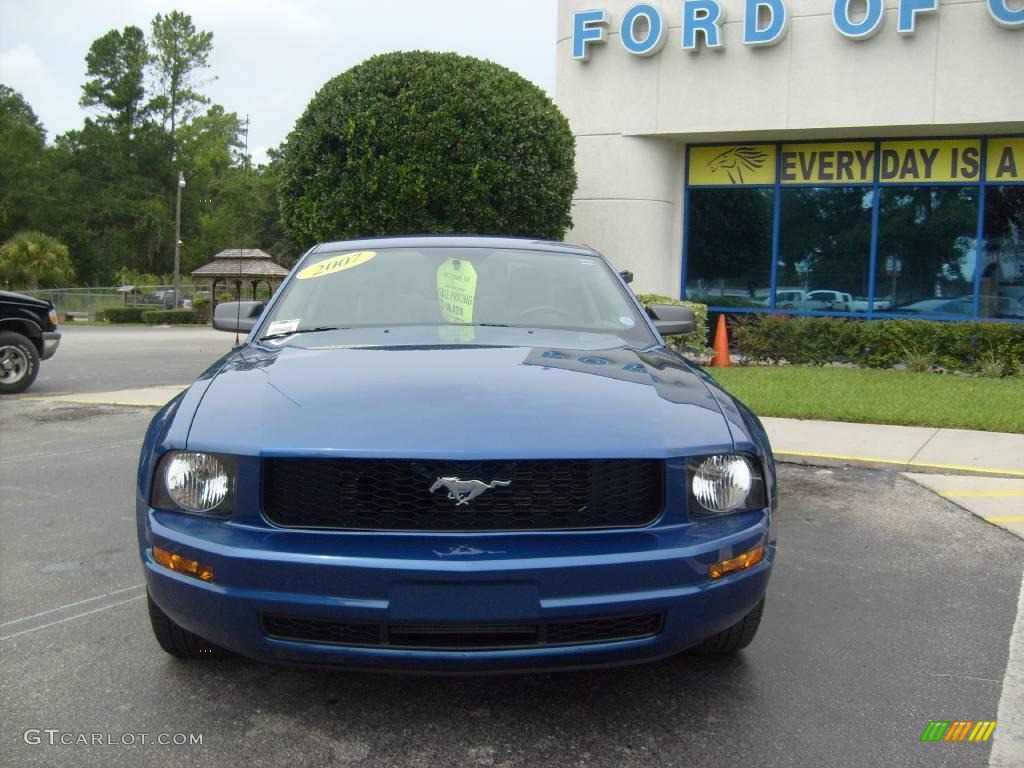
<point>455,241</point>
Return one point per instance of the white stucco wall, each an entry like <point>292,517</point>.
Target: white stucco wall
<point>960,74</point>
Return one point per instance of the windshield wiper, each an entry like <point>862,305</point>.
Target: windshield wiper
<point>302,330</point>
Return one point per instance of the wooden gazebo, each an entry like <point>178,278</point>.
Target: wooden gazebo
<point>238,266</point>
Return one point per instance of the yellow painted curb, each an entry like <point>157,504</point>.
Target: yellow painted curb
<point>909,465</point>
<point>979,494</point>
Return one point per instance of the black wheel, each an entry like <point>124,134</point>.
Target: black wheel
<point>736,637</point>
<point>19,363</point>
<point>177,641</point>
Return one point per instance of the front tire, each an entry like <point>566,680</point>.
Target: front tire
<point>735,638</point>
<point>180,642</point>
<point>19,363</point>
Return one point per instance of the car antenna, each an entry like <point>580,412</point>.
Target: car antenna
<point>241,249</point>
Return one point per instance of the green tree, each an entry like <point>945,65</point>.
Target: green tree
<point>179,53</point>
<point>427,142</point>
<point>116,66</point>
<point>35,260</point>
<point>22,164</point>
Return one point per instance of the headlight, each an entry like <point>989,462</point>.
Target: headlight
<point>725,483</point>
<point>195,482</point>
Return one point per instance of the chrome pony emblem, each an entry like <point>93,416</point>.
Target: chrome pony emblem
<point>464,491</point>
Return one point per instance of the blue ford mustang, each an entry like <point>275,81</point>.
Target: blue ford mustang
<point>455,454</point>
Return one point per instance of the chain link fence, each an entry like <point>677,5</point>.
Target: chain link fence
<point>89,303</point>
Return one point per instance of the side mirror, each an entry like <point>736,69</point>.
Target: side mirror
<point>626,276</point>
<point>671,319</point>
<point>237,316</point>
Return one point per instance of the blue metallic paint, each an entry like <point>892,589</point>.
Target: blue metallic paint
<point>404,392</point>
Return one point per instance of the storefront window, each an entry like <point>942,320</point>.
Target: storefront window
<point>927,238</point>
<point>930,227</point>
<point>729,250</point>
<point>825,249</point>
<point>1002,262</point>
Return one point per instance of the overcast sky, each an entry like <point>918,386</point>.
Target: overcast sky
<point>269,56</point>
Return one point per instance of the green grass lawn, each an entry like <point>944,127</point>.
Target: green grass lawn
<point>878,396</point>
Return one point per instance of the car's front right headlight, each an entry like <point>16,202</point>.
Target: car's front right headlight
<point>196,482</point>
<point>723,483</point>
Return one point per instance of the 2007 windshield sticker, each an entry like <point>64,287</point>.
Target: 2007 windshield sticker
<point>336,264</point>
<point>456,290</point>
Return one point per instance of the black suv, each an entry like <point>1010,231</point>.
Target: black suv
<point>28,334</point>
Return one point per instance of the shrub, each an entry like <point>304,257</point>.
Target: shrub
<point>419,142</point>
<point>123,314</point>
<point>201,308</point>
<point>168,317</point>
<point>697,341</point>
<point>877,343</point>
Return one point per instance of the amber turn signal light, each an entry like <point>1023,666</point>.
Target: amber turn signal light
<point>182,564</point>
<point>738,563</point>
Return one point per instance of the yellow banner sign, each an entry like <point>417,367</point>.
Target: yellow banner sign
<point>742,164</point>
<point>852,163</point>
<point>899,161</point>
<point>1005,160</point>
<point>921,162</point>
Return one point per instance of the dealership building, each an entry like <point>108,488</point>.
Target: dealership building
<point>841,157</point>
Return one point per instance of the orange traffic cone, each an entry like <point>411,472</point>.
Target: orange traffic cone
<point>721,346</point>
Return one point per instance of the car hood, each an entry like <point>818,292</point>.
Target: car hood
<point>485,401</point>
<point>10,297</point>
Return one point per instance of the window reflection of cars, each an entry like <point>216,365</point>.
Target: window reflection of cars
<point>828,301</point>
<point>790,299</point>
<point>860,304</point>
<point>935,306</point>
<point>999,307</point>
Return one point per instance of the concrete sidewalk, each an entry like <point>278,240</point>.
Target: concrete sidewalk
<point>910,449</point>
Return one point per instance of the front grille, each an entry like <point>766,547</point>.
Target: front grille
<point>460,636</point>
<point>394,494</point>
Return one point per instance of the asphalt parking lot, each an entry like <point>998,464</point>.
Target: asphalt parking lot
<point>889,607</point>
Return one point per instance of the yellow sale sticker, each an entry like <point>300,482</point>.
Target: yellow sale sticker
<point>336,264</point>
<point>456,290</point>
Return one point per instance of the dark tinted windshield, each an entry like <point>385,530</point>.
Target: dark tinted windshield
<point>457,286</point>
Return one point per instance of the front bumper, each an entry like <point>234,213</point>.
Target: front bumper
<point>51,340</point>
<point>402,580</point>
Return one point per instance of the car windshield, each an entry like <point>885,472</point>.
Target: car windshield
<point>462,286</point>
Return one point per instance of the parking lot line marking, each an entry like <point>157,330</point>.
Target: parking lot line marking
<point>71,605</point>
<point>69,452</point>
<point>70,618</point>
<point>124,403</point>
<point>981,494</point>
<point>1014,519</point>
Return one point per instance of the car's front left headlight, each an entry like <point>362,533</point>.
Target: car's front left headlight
<point>724,483</point>
<point>196,482</point>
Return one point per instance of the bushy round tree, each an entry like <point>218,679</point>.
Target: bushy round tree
<point>419,142</point>
<point>35,260</point>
